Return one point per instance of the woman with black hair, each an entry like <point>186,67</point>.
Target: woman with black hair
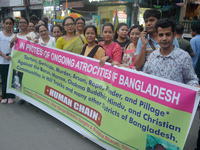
<point>121,35</point>
<point>5,37</point>
<point>112,49</point>
<point>56,31</point>
<point>92,49</point>
<point>45,39</point>
<point>25,34</point>
<point>31,27</point>
<point>70,41</point>
<point>80,25</point>
<point>42,21</point>
<point>130,49</point>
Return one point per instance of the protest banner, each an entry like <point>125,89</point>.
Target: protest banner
<point>114,107</point>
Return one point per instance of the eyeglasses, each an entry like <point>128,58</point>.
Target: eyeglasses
<point>43,31</point>
<point>8,23</point>
<point>80,23</point>
<point>69,24</point>
<point>22,22</point>
<point>56,32</point>
<point>31,26</point>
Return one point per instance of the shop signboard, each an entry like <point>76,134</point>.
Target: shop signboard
<point>16,3</point>
<point>36,2</point>
<point>4,3</point>
<point>132,1</point>
<point>50,3</point>
<point>77,4</point>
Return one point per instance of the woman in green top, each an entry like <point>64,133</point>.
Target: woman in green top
<point>70,41</point>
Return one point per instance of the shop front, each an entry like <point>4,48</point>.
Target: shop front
<point>107,9</point>
<point>131,11</point>
<point>61,11</point>
<point>189,15</point>
<point>51,8</point>
<point>36,8</point>
<point>5,9</point>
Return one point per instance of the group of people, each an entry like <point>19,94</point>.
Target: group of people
<point>155,50</point>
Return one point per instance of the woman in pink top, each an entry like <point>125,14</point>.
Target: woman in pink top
<point>112,49</point>
<point>130,50</point>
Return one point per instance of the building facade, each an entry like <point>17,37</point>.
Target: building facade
<point>20,8</point>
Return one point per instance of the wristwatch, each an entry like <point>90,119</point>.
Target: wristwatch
<point>108,58</point>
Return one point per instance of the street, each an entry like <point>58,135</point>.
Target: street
<point>28,128</point>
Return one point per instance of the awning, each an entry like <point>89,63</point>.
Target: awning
<point>77,4</point>
<point>75,15</point>
<point>35,7</point>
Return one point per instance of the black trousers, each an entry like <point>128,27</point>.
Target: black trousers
<point>198,140</point>
<point>4,75</point>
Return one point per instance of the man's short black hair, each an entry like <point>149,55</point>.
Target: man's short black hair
<point>179,29</point>
<point>165,23</point>
<point>152,13</point>
<point>196,27</point>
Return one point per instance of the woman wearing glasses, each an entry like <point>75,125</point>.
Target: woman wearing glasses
<point>45,39</point>
<point>24,34</point>
<point>70,41</point>
<point>80,25</point>
<point>56,31</point>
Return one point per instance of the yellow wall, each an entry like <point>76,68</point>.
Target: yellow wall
<point>107,11</point>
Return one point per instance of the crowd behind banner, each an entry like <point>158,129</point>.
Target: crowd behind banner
<point>157,49</point>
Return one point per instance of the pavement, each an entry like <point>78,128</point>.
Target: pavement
<point>26,127</point>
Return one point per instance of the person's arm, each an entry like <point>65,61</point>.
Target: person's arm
<point>175,42</point>
<point>115,63</point>
<point>31,36</point>
<point>100,53</point>
<point>193,45</point>
<point>6,57</point>
<point>125,49</point>
<point>54,43</point>
<point>190,50</point>
<point>12,42</point>
<point>103,60</point>
<point>192,54</point>
<point>140,59</point>
<point>36,40</point>
<point>141,51</point>
<point>122,65</point>
<point>148,64</point>
<point>140,55</point>
<point>189,75</point>
<point>197,67</point>
<point>116,54</point>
